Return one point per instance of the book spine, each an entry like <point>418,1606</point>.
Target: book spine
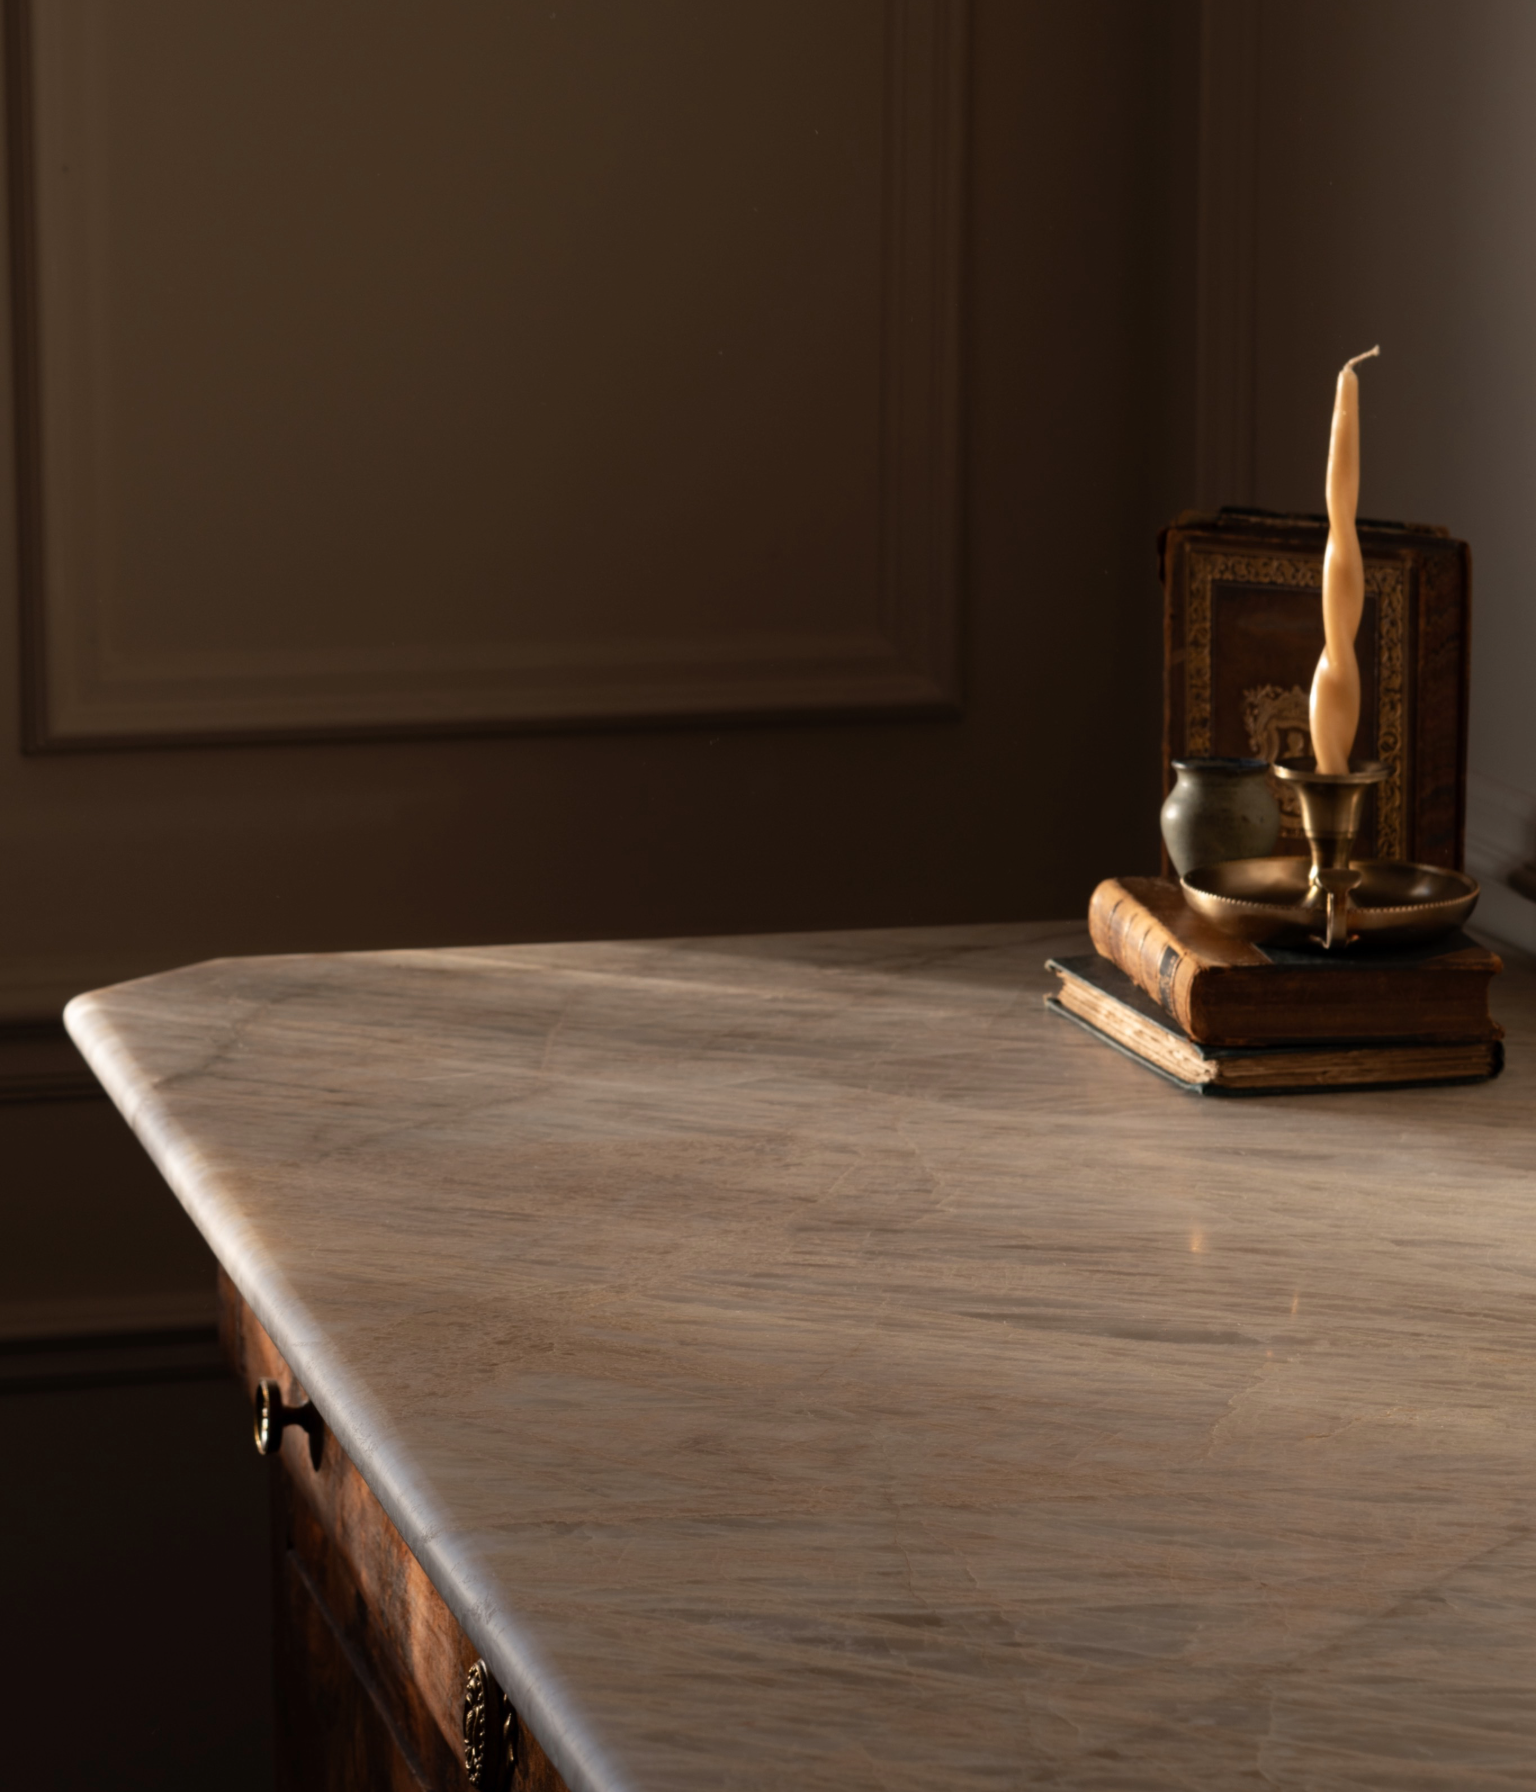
<point>1125,932</point>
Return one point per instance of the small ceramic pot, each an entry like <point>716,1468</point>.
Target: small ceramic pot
<point>1219,809</point>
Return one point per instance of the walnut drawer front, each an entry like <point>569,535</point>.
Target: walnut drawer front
<point>372,1671</point>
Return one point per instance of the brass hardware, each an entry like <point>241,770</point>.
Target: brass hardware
<point>488,1765</point>
<point>271,1418</point>
<point>477,1722</point>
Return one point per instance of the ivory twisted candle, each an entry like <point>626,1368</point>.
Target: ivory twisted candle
<point>1335,706</point>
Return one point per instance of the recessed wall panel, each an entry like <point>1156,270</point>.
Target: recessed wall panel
<point>475,366</point>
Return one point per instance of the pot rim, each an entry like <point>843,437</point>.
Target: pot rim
<point>1231,768</point>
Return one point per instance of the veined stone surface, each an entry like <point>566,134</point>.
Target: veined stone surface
<point>804,1362</point>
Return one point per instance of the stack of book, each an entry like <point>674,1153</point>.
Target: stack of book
<point>1223,1017</point>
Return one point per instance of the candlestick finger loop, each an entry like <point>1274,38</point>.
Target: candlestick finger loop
<point>1335,883</point>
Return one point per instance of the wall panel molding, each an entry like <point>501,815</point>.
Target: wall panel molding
<point>94,679</point>
<point>38,1062</point>
<point>165,1330</point>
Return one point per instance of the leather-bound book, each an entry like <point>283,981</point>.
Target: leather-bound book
<point>1104,1001</point>
<point>1224,991</point>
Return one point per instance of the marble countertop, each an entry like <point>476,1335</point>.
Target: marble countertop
<point>804,1362</point>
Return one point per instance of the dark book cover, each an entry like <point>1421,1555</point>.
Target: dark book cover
<point>1243,629</point>
<point>1126,1018</point>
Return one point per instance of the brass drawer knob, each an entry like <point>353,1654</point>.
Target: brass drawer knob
<point>271,1418</point>
<point>490,1732</point>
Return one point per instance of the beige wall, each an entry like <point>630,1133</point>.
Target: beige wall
<point>267,514</point>
<point>1391,183</point>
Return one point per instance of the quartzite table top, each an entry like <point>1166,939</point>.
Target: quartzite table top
<point>804,1362</point>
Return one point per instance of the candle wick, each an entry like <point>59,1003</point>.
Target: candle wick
<point>1365,357</point>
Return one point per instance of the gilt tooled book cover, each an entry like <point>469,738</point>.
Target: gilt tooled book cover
<point>1243,629</point>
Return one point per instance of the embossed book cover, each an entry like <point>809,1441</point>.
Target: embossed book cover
<point>1243,630</point>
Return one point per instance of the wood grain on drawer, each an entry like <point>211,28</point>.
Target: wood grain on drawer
<point>371,1665</point>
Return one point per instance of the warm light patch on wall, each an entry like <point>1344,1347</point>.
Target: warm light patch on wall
<point>1197,1242</point>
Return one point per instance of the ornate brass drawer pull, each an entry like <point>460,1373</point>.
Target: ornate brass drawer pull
<point>487,1712</point>
<point>271,1417</point>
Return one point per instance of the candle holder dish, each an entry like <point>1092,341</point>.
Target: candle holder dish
<point>1333,900</point>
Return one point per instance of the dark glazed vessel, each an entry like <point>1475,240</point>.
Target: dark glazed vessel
<point>1219,810</point>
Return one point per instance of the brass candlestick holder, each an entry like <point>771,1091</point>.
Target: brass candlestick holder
<point>1334,900</point>
<point>1331,806</point>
